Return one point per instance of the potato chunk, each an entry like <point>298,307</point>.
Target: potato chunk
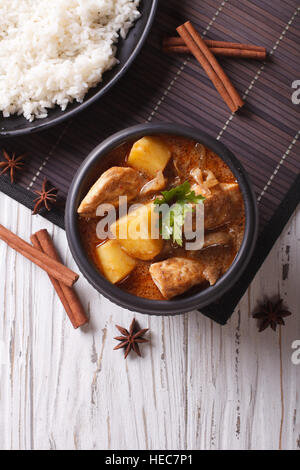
<point>133,232</point>
<point>149,155</point>
<point>115,263</point>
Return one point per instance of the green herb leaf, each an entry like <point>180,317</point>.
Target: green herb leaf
<point>179,200</point>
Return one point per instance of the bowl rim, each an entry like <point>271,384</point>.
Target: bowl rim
<point>186,303</point>
<point>67,114</point>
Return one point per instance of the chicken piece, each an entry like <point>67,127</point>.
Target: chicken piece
<point>113,183</point>
<point>155,185</point>
<point>216,239</point>
<point>223,206</point>
<point>175,276</point>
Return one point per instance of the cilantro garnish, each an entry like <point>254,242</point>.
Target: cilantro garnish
<point>179,201</point>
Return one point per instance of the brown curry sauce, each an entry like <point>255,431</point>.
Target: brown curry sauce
<point>186,153</point>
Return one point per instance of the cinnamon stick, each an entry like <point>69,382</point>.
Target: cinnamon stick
<point>211,66</point>
<point>43,242</point>
<point>51,266</point>
<point>178,41</point>
<point>220,51</point>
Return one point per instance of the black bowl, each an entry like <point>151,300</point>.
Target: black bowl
<point>87,175</point>
<point>128,50</point>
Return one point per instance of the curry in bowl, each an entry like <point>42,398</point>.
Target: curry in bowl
<point>183,175</point>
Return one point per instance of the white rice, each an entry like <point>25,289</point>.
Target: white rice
<point>53,51</point>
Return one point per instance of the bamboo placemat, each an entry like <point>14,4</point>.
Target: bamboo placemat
<point>264,135</point>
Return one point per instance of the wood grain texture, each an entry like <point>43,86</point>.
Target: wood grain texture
<point>199,385</point>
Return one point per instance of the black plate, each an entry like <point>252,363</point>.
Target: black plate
<point>128,49</point>
<point>87,175</point>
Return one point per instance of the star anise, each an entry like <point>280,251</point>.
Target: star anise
<point>271,314</point>
<point>12,164</point>
<point>45,197</point>
<point>131,338</point>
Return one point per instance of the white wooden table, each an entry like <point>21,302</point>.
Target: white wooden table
<point>198,386</point>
